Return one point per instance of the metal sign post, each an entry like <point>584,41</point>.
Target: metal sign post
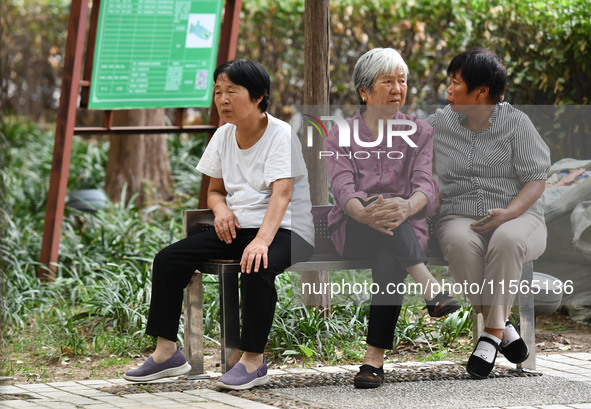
<point>73,87</point>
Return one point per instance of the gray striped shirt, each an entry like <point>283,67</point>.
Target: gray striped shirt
<point>483,170</point>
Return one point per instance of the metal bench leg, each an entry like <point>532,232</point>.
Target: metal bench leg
<point>229,319</point>
<point>527,319</point>
<point>194,325</point>
<point>477,325</point>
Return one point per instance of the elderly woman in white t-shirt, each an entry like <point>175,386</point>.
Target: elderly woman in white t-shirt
<point>259,194</point>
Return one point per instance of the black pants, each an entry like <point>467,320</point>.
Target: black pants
<point>175,264</point>
<point>391,256</point>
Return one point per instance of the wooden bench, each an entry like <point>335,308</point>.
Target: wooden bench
<point>324,258</point>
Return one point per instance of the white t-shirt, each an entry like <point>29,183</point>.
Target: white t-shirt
<point>248,174</point>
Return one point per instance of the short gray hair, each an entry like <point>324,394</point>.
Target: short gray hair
<point>374,63</point>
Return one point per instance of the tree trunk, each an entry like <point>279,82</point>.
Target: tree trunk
<point>139,161</point>
<point>316,93</point>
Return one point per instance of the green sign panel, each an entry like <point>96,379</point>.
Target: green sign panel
<point>155,53</point>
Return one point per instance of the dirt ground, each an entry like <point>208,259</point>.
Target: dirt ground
<point>558,333</point>
<point>555,333</point>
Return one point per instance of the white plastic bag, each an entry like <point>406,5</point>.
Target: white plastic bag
<point>562,200</point>
<point>580,221</point>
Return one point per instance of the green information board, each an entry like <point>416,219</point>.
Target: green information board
<point>155,54</point>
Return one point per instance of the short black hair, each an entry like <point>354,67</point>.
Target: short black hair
<point>480,66</point>
<point>249,74</point>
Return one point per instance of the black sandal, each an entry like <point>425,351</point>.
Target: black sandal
<point>443,304</point>
<point>369,377</point>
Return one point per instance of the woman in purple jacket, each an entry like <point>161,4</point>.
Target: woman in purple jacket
<point>383,188</point>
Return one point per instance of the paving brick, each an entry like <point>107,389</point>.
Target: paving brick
<point>55,394</point>
<point>84,391</point>
<point>98,406</point>
<point>192,400</point>
<point>154,403</point>
<point>550,372</point>
<point>558,357</point>
<point>36,387</point>
<point>579,355</point>
<point>79,400</point>
<point>118,401</point>
<point>62,384</point>
<point>19,404</point>
<point>554,365</point>
<point>57,405</point>
<point>12,389</point>
<point>176,405</point>
<point>585,372</point>
<point>95,383</point>
<point>215,405</point>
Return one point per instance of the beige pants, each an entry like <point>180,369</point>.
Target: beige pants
<point>491,263</point>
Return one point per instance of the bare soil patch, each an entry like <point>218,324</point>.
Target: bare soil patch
<point>558,333</point>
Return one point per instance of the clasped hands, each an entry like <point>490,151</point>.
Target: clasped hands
<point>385,215</point>
<point>226,224</point>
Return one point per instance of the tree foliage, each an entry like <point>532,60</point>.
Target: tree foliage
<point>544,45</point>
<point>32,46</point>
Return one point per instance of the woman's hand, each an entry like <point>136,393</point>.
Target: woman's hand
<point>527,196</point>
<point>258,248</point>
<point>364,214</point>
<point>391,212</point>
<point>383,215</point>
<point>498,217</point>
<point>225,223</point>
<point>255,252</point>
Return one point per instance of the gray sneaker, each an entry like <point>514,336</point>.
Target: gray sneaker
<point>237,378</point>
<point>176,365</point>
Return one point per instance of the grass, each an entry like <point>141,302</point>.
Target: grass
<point>95,311</point>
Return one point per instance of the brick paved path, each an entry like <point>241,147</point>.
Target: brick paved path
<point>89,394</point>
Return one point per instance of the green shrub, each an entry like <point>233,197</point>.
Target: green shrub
<point>544,45</point>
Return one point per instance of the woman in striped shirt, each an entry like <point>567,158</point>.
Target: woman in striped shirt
<point>492,166</point>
